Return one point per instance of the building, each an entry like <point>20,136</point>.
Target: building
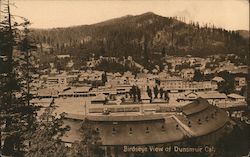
<point>240,82</point>
<point>176,84</point>
<point>47,93</point>
<point>197,120</point>
<point>217,79</point>
<point>99,99</point>
<point>63,56</point>
<point>90,76</point>
<point>215,98</point>
<point>83,91</point>
<point>236,98</point>
<point>187,74</point>
<point>58,80</point>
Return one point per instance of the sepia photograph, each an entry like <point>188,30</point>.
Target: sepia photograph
<point>124,78</point>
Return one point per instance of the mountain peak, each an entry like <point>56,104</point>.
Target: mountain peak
<point>149,13</point>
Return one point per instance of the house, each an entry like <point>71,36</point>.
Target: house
<point>129,76</point>
<point>47,93</point>
<point>115,81</point>
<point>235,101</point>
<point>83,89</point>
<point>236,97</point>
<point>99,99</point>
<point>240,82</point>
<point>63,56</point>
<point>214,97</point>
<point>91,76</point>
<point>207,71</point>
<point>58,80</point>
<point>187,74</point>
<point>217,79</point>
<point>187,96</point>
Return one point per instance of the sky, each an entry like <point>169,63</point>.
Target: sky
<point>228,14</point>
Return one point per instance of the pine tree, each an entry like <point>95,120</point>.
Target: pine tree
<point>16,111</point>
<point>138,92</point>
<point>161,92</point>
<point>149,92</point>
<point>104,78</point>
<point>198,76</point>
<point>133,93</point>
<point>156,91</point>
<point>166,96</point>
<point>89,145</point>
<point>163,52</point>
<point>45,140</point>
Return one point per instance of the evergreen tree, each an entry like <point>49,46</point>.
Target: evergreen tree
<point>104,78</point>
<point>198,76</point>
<point>149,92</point>
<point>156,91</point>
<point>138,92</point>
<point>89,145</point>
<point>161,92</point>
<point>166,96</point>
<point>163,52</point>
<point>226,86</point>
<point>133,91</point>
<point>45,140</point>
<point>16,112</point>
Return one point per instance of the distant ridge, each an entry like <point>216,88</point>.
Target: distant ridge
<point>144,36</point>
<point>244,33</point>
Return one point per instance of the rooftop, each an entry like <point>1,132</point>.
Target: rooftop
<point>194,107</point>
<point>153,129</point>
<point>235,96</point>
<point>212,95</point>
<point>131,117</point>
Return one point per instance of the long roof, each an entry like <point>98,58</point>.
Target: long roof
<point>111,118</point>
<point>236,96</point>
<point>155,128</point>
<point>212,95</point>
<point>196,106</point>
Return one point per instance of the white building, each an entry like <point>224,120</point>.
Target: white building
<point>240,82</point>
<point>187,74</point>
<point>56,81</point>
<point>176,84</point>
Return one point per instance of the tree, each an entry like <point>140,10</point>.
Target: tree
<point>16,112</point>
<point>198,76</point>
<point>166,96</point>
<point>226,86</point>
<point>156,91</point>
<point>149,92</point>
<point>89,145</point>
<point>163,52</point>
<point>133,91</point>
<point>104,78</point>
<point>161,92</point>
<point>45,140</point>
<point>138,92</point>
<point>243,91</point>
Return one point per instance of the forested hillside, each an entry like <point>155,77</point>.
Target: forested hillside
<point>142,37</point>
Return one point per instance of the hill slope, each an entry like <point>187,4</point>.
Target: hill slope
<point>142,36</point>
